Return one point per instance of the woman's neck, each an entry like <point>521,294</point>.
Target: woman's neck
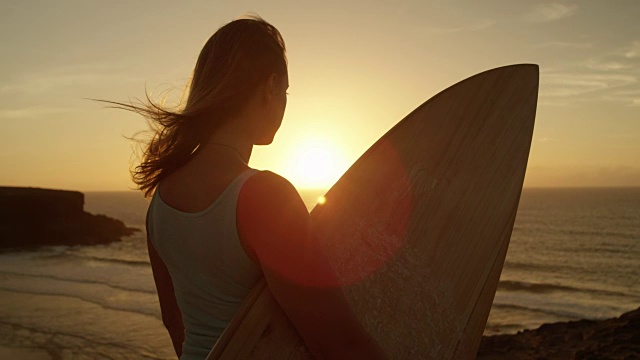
<point>231,140</point>
<point>242,155</point>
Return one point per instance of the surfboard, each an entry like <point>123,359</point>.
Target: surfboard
<point>418,228</point>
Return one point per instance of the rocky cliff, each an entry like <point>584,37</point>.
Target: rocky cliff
<point>617,338</point>
<point>34,217</point>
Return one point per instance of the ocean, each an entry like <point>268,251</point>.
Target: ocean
<point>574,254</point>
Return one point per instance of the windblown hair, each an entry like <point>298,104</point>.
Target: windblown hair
<point>233,63</point>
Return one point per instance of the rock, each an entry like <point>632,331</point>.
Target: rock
<point>32,217</point>
<point>617,338</point>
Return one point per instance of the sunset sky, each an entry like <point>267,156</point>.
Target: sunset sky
<point>355,68</point>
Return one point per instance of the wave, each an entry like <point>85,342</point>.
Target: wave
<point>603,249</point>
<point>541,288</point>
<point>549,266</point>
<point>25,336</point>
<point>560,314</point>
<point>507,285</point>
<point>112,260</point>
<point>65,252</point>
<point>539,267</point>
<point>608,234</point>
<point>550,230</point>
<point>45,249</point>
<point>140,311</point>
<point>81,281</point>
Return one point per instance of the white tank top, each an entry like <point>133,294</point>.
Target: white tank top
<point>210,270</point>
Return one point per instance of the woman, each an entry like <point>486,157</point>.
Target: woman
<point>216,226</point>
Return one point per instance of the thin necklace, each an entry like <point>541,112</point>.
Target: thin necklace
<point>232,148</point>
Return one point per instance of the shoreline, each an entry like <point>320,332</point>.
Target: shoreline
<point>615,338</point>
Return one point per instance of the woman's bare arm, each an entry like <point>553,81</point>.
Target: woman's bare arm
<point>171,315</point>
<point>275,226</point>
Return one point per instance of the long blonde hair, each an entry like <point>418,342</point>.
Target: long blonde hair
<point>236,59</point>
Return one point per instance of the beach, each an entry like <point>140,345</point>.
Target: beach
<point>573,261</point>
<point>617,338</point>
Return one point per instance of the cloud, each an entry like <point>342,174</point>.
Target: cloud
<point>573,84</point>
<point>623,62</point>
<point>565,44</point>
<point>631,97</point>
<point>480,25</point>
<point>33,112</point>
<point>606,65</point>
<point>632,51</point>
<point>547,102</point>
<point>551,12</point>
<point>626,57</point>
<point>545,139</point>
<point>612,76</point>
<point>66,77</point>
<point>635,92</point>
<point>623,136</point>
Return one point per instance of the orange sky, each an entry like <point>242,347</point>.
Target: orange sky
<point>356,68</point>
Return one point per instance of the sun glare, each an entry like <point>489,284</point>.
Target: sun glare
<point>316,164</point>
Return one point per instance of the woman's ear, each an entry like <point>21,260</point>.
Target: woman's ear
<point>267,90</point>
<point>273,85</point>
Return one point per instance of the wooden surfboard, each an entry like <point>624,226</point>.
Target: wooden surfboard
<point>418,228</point>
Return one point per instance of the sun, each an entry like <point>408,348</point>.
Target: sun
<point>316,163</point>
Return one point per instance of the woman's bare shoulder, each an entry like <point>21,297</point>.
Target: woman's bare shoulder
<point>267,192</point>
<point>267,180</point>
<point>268,200</point>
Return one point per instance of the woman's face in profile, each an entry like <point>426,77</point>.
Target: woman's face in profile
<point>274,109</point>
<point>282,96</point>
